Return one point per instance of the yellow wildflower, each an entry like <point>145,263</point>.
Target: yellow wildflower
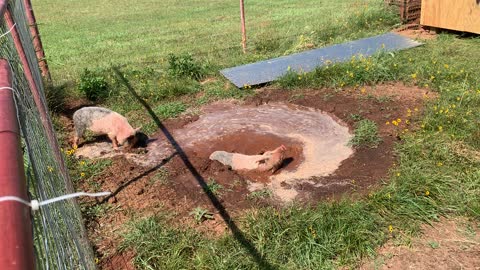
<point>82,174</point>
<point>446,66</point>
<point>414,75</point>
<point>398,174</point>
<point>440,164</point>
<point>387,123</point>
<point>440,128</point>
<point>395,123</point>
<point>427,193</point>
<point>50,168</point>
<point>390,228</point>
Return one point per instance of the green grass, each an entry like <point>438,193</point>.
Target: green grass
<point>214,187</point>
<point>150,42</point>
<point>365,134</point>
<point>95,34</point>
<point>437,172</point>
<point>170,110</point>
<point>201,214</point>
<point>260,194</point>
<point>85,170</point>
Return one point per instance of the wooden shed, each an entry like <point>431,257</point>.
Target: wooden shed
<point>460,15</point>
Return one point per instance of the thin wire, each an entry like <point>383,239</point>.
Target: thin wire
<point>35,204</point>
<point>15,199</point>
<point>6,33</point>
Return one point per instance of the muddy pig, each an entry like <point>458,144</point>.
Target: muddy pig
<point>102,121</point>
<point>268,161</point>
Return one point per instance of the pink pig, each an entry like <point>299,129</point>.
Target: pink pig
<point>268,161</point>
<point>102,121</point>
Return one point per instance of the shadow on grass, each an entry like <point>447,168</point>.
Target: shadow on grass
<point>237,233</point>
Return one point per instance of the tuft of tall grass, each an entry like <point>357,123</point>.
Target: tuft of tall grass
<point>170,109</point>
<point>365,134</point>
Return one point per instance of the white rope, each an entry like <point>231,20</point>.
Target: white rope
<point>10,88</point>
<point>11,28</point>
<point>35,204</point>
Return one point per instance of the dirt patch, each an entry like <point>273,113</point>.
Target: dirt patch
<point>176,181</point>
<point>448,244</point>
<point>416,32</point>
<point>122,261</point>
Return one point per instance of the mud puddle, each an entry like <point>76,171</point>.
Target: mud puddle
<point>316,142</point>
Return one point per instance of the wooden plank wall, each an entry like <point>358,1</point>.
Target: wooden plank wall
<point>460,15</point>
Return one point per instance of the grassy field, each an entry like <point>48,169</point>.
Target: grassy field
<point>93,34</point>
<point>437,172</point>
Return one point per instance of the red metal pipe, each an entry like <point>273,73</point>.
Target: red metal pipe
<point>42,109</point>
<point>37,42</point>
<point>16,245</point>
<point>244,31</point>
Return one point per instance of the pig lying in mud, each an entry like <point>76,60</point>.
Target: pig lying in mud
<point>268,161</point>
<point>103,121</point>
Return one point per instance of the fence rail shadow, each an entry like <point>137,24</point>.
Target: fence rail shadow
<point>236,232</point>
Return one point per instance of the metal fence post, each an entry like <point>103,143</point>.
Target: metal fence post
<point>37,42</point>
<point>244,33</point>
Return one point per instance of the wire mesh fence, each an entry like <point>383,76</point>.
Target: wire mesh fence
<point>59,238</point>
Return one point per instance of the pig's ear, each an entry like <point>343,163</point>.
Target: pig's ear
<point>137,129</point>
